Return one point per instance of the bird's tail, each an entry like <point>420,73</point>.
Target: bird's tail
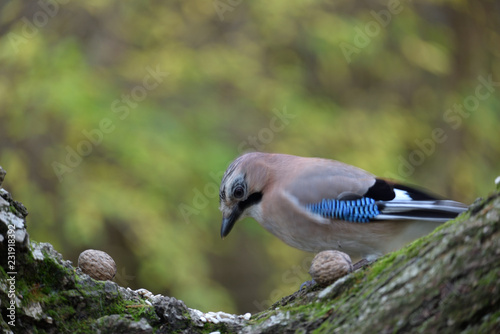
<point>431,210</point>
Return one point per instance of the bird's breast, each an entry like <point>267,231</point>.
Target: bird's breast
<point>359,240</point>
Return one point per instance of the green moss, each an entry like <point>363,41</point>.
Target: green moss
<point>139,310</point>
<point>489,324</point>
<point>325,327</point>
<point>13,210</point>
<point>40,278</point>
<point>72,302</point>
<point>380,265</point>
<point>489,278</point>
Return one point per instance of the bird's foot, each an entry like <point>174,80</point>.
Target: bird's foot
<point>361,264</point>
<point>307,284</point>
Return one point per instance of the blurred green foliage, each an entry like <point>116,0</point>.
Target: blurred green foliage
<point>117,120</point>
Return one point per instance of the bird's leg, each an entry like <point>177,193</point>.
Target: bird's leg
<point>307,284</point>
<point>360,264</point>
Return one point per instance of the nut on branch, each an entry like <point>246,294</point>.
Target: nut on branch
<point>329,266</point>
<point>97,264</point>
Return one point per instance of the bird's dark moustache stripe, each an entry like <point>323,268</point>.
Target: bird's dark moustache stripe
<point>253,199</point>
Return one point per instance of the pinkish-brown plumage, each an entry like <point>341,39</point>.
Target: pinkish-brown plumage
<point>274,189</point>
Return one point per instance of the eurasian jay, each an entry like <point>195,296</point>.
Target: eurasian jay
<point>317,204</point>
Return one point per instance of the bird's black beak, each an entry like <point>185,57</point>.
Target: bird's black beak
<point>228,222</point>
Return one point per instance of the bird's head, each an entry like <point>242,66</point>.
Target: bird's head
<point>241,189</point>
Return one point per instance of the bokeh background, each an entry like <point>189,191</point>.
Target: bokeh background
<point>117,120</point>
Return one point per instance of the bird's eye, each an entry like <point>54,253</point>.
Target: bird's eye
<point>238,192</point>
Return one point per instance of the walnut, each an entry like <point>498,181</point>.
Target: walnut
<point>97,264</point>
<point>329,266</point>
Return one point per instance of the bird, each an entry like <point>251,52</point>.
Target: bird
<point>316,204</point>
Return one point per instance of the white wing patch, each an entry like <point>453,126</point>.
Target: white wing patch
<point>401,195</point>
